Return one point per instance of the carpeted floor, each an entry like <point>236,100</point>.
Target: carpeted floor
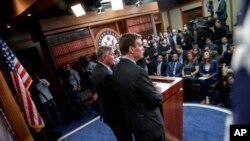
<point>201,123</point>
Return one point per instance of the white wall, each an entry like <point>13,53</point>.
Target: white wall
<point>176,18</point>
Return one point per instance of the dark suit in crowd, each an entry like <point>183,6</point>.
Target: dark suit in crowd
<point>222,12</point>
<point>109,102</point>
<point>174,69</point>
<point>141,101</point>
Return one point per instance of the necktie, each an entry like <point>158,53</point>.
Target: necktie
<point>174,69</point>
<point>159,69</point>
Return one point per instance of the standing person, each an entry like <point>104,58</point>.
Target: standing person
<point>140,98</point>
<point>109,101</point>
<point>74,91</point>
<point>47,101</point>
<point>222,12</point>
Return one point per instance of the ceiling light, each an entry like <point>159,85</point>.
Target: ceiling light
<point>8,25</point>
<point>117,4</point>
<point>100,10</point>
<point>138,3</point>
<point>78,10</point>
<point>29,14</point>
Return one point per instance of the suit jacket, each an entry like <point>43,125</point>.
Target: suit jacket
<point>220,49</point>
<point>109,100</point>
<point>222,10</point>
<point>170,69</point>
<point>178,39</point>
<point>172,44</point>
<point>213,71</point>
<point>140,98</point>
<point>182,56</point>
<point>163,68</point>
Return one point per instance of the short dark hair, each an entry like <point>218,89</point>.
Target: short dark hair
<point>102,50</point>
<point>194,43</point>
<point>127,39</point>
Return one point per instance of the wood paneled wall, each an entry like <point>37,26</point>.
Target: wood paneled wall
<point>70,51</point>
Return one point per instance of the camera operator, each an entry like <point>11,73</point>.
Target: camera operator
<point>217,32</point>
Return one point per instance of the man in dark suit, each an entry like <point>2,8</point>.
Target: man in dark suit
<point>224,46</point>
<point>222,12</point>
<point>174,68</point>
<point>109,101</point>
<point>160,66</point>
<point>176,37</point>
<point>140,98</point>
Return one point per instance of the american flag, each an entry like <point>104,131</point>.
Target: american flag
<point>241,65</point>
<point>22,82</point>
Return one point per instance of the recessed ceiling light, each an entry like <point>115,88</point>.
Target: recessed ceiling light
<point>29,14</point>
<point>8,25</point>
<point>117,4</point>
<point>78,10</point>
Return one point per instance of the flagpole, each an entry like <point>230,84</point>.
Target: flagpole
<point>13,113</point>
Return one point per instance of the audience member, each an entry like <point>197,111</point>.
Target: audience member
<point>227,57</point>
<point>189,73</point>
<point>181,54</point>
<point>224,46</point>
<point>209,75</point>
<point>174,68</point>
<point>160,67</point>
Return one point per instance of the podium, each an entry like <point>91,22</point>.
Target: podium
<point>171,89</point>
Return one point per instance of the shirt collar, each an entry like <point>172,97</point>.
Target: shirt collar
<point>126,57</point>
<point>105,65</point>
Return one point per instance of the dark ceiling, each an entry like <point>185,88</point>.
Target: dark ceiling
<point>5,9</point>
<point>46,8</point>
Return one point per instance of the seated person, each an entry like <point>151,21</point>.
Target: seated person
<point>211,45</point>
<point>174,68</point>
<point>160,67</point>
<point>214,54</point>
<point>227,57</point>
<point>196,54</point>
<point>181,53</point>
<point>223,46</point>
<point>226,90</point>
<point>166,49</point>
<point>189,73</point>
<point>209,75</point>
<point>195,46</point>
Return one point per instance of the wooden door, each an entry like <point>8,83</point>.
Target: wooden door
<point>191,14</point>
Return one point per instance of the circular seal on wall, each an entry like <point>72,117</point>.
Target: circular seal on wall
<point>107,37</point>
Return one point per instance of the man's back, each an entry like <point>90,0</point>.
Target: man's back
<point>103,83</point>
<point>140,98</point>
